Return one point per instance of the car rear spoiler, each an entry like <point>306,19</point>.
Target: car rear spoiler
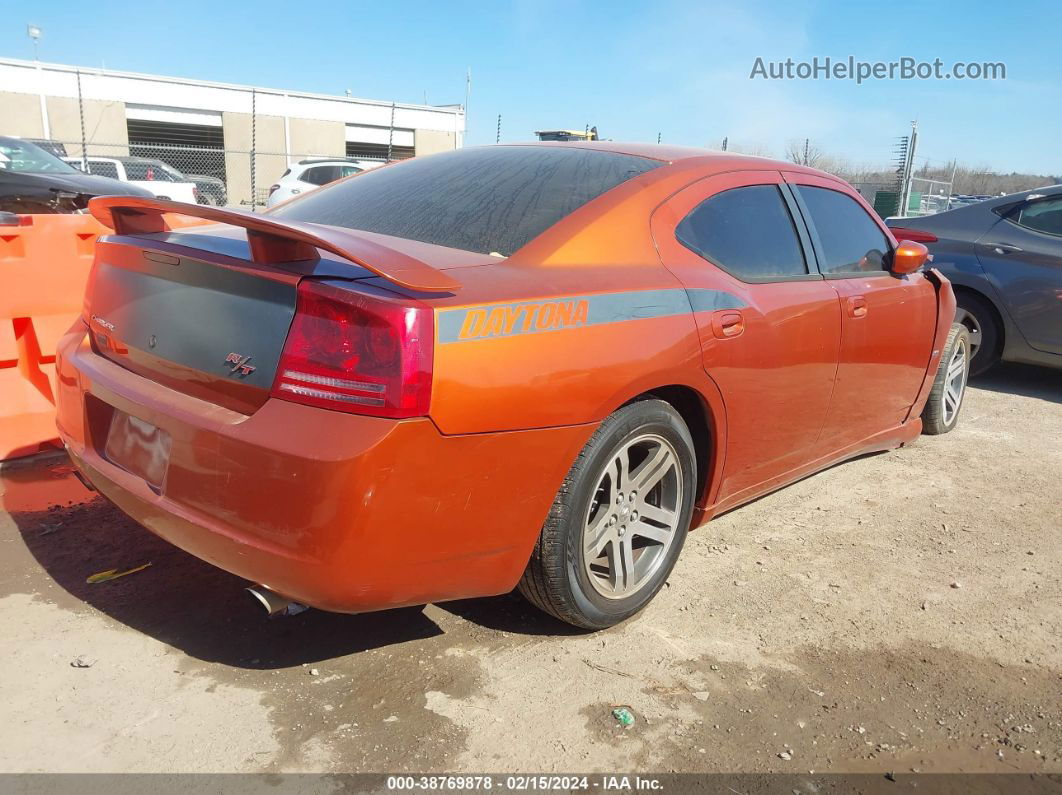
<point>274,241</point>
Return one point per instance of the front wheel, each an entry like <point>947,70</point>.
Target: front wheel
<point>619,520</point>
<point>941,413</point>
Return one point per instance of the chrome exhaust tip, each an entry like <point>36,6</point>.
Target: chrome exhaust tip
<point>274,603</point>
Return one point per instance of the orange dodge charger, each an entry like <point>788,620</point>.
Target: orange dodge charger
<point>530,366</point>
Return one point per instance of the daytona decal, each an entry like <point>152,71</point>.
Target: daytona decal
<point>556,314</point>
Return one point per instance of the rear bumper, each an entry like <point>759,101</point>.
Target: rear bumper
<point>339,511</point>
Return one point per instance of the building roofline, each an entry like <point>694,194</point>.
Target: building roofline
<point>280,92</point>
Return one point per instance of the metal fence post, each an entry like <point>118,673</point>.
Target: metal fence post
<point>254,197</point>
<point>391,135</point>
<point>81,112</point>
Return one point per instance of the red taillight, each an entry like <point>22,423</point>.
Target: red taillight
<point>357,352</point>
<point>273,189</point>
<point>914,235</point>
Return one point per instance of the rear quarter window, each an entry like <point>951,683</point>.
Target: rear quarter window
<point>487,200</point>
<point>1043,216</point>
<point>746,231</point>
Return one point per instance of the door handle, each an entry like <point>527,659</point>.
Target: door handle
<point>1005,248</point>
<point>727,324</point>
<point>857,306</point>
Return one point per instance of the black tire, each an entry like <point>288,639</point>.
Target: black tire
<point>935,416</point>
<point>986,332</point>
<point>556,579</point>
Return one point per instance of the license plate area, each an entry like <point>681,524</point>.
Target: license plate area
<point>128,442</point>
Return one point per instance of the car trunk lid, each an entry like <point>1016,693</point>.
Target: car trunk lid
<point>207,310</point>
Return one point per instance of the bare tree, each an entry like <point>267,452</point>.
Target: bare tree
<point>803,152</point>
<point>755,149</point>
<point>978,180</point>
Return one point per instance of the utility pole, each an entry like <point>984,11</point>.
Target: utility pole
<point>908,171</point>
<point>807,148</point>
<point>468,94</point>
<point>951,185</point>
<point>724,143</point>
<point>497,135</point>
<point>658,137</point>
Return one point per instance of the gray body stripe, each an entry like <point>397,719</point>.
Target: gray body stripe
<point>601,308</point>
<point>709,300</point>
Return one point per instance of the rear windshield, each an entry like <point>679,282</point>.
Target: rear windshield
<point>488,199</point>
<point>16,155</point>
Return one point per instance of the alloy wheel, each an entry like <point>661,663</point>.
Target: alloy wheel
<point>633,516</point>
<point>955,381</point>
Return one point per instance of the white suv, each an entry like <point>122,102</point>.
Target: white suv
<point>155,176</point>
<point>313,173</point>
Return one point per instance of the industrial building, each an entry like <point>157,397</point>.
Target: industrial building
<point>244,135</point>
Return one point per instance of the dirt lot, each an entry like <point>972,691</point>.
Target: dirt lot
<point>902,611</point>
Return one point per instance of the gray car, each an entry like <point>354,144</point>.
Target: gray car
<point>1004,258</point>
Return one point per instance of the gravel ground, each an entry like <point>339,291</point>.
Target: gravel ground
<point>901,611</point>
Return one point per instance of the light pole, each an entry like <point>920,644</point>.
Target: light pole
<point>34,32</point>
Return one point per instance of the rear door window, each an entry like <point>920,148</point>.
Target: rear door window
<point>747,232</point>
<point>1042,216</point>
<point>101,168</point>
<point>851,242</point>
<point>486,199</point>
<point>138,171</point>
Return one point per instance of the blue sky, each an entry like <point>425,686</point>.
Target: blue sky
<point>675,67</point>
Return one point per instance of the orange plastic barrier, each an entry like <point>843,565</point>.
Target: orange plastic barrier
<point>44,263</point>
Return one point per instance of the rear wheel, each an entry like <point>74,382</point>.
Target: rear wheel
<point>619,521</point>
<point>979,317</point>
<point>941,413</point>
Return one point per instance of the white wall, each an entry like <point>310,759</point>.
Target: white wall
<point>109,86</point>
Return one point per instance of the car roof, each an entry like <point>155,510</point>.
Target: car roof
<point>135,159</point>
<point>714,160</point>
<point>315,161</point>
<point>1013,198</point>
<point>120,159</point>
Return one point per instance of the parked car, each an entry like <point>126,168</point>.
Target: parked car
<point>1004,257</point>
<point>209,190</point>
<point>313,173</point>
<point>34,181</point>
<point>529,365</point>
<point>158,178</point>
<point>56,148</point>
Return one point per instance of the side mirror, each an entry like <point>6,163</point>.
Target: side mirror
<point>909,257</point>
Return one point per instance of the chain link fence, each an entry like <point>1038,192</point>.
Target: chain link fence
<point>211,175</point>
